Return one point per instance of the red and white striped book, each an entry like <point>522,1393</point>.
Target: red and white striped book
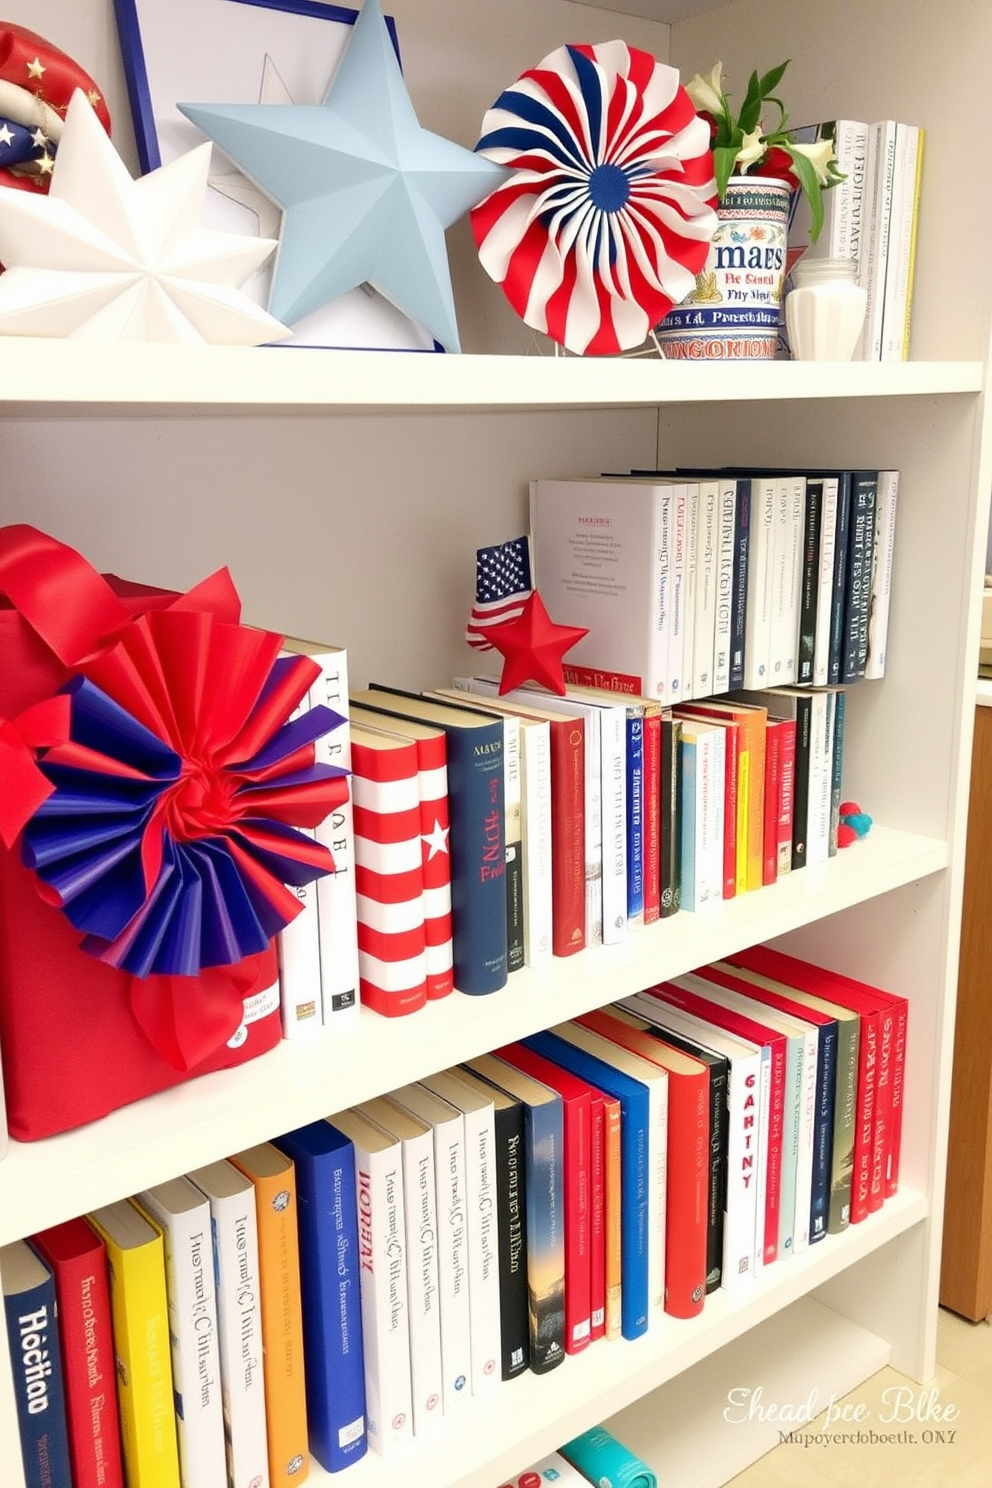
<point>389,879</point>
<point>432,762</point>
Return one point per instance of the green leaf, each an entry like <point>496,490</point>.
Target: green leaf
<point>723,166</point>
<point>809,184</point>
<point>772,79</point>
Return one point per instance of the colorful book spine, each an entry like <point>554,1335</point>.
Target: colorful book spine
<point>36,1365</point>
<point>78,1261</point>
<point>435,832</point>
<point>670,823</point>
<point>327,1217</point>
<point>857,591</point>
<point>635,820</point>
<point>652,812</point>
<point>389,876</point>
<point>273,1177</point>
<point>597,1215</point>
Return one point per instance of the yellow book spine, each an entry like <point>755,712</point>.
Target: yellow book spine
<point>139,1312</point>
<point>756,803</point>
<point>611,1140</point>
<point>282,1324</point>
<point>743,817</point>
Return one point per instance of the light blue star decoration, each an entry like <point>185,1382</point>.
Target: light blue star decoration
<point>366,192</point>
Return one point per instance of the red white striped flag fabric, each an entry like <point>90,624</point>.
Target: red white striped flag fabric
<point>502,586</point>
<point>389,879</point>
<point>432,754</point>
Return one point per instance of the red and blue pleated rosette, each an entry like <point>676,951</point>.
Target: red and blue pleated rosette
<point>37,80</point>
<point>609,211</point>
<point>178,784</point>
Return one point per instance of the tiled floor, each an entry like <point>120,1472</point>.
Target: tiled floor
<point>953,1446</point>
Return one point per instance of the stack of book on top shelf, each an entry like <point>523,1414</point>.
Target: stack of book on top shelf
<point>353,1283</point>
<point>872,216</point>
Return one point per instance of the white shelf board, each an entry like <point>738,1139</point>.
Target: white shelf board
<point>532,1414</point>
<point>805,1357</point>
<point>302,1080</point>
<point>37,376</point>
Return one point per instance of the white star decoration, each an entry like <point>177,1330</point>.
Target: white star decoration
<point>107,258</point>
<point>436,840</point>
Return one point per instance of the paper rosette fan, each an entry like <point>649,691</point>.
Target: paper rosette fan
<point>37,80</point>
<point>609,212</point>
<point>178,789</point>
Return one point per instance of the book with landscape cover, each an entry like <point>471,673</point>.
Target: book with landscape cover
<point>389,876</point>
<point>670,815</point>
<point>687,1188</point>
<point>476,808</point>
<point>475,1100</point>
<point>273,1178</point>
<point>36,1365</point>
<point>576,1102</point>
<point>140,1312</point>
<point>448,1125</point>
<point>420,1208</point>
<point>327,1219</point>
<point>181,1212</point>
<point>435,829</point>
<point>234,1231</point>
<point>78,1261</point>
<point>336,908</point>
<point>382,1280</point>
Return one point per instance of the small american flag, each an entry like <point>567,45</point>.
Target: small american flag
<point>502,585</point>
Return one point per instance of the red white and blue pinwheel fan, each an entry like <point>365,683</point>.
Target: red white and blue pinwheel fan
<point>609,211</point>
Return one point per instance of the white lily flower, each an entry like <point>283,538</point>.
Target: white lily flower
<point>706,93</point>
<point>819,156</point>
<point>751,150</point>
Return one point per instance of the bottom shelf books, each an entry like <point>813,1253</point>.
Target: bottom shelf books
<point>595,1457</point>
<point>351,1284</point>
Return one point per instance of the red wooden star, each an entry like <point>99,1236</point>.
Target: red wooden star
<point>532,647</point>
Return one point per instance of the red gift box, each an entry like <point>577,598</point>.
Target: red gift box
<point>79,1036</point>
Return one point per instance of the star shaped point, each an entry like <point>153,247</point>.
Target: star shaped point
<point>366,192</point>
<point>436,840</point>
<point>532,647</point>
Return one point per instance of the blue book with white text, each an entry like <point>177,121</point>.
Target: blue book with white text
<point>36,1364</point>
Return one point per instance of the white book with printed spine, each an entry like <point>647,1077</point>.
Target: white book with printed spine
<point>234,1230</point>
<point>886,501</point>
<point>383,1279</point>
<point>416,1137</point>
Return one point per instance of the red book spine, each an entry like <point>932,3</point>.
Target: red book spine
<point>757,1033</point>
<point>389,878</point>
<point>877,1131</point>
<point>568,851</point>
<point>576,1097</point>
<point>773,767</point>
<point>732,753</point>
<point>785,729</point>
<point>687,1190</point>
<point>597,1217</point>
<point>78,1261</point>
<point>652,817</point>
<point>435,826</point>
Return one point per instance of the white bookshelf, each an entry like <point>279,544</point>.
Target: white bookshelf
<point>348,492</point>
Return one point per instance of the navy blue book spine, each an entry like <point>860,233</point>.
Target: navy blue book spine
<point>800,780</point>
<point>634,1142</point>
<point>36,1366</point>
<point>334,1362</point>
<point>823,1143</point>
<point>857,586</point>
<point>477,847</point>
<point>836,655</point>
<point>738,612</point>
<point>635,816</point>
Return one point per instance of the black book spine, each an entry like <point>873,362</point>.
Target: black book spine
<point>800,781</point>
<point>857,592</point>
<point>511,1230</point>
<point>738,620</point>
<point>840,575</point>
<point>810,576</point>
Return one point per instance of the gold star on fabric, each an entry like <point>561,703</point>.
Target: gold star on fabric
<point>35,69</point>
<point>46,164</point>
<point>94,97</point>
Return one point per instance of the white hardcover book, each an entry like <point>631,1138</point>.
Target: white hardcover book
<point>790,512</point>
<point>898,268</point>
<point>705,609</point>
<point>886,501</point>
<point>602,559</point>
<point>680,644</point>
<point>420,1207</point>
<point>480,1210</point>
<point>760,581</point>
<point>448,1127</point>
<point>656,1081</point>
<point>843,204</point>
<point>382,1276</point>
<point>723,621</point>
<point>825,580</point>
<point>802,1046</point>
<point>535,836</point>
<point>337,915</point>
<point>234,1232</point>
<point>181,1211</point>
<point>872,265</point>
<point>512,836</point>
<point>743,1220</point>
<point>820,777</point>
<point>691,562</point>
<point>298,946</point>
